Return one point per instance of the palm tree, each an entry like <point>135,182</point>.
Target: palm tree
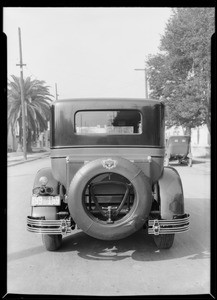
<point>37,101</point>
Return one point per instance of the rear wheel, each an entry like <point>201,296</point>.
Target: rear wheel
<point>164,241</point>
<point>52,242</point>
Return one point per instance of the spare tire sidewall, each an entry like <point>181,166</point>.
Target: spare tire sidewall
<point>130,223</point>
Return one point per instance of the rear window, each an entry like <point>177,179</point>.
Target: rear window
<point>180,140</point>
<point>108,122</point>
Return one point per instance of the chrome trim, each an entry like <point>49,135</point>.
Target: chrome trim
<point>129,152</point>
<point>157,227</point>
<point>48,226</point>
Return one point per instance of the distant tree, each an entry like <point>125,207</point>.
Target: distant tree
<point>37,107</point>
<point>181,75</point>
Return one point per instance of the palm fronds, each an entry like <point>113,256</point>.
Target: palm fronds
<point>37,102</point>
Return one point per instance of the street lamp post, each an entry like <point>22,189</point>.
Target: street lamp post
<point>146,81</point>
<point>56,92</point>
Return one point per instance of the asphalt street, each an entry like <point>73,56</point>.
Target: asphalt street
<point>87,266</point>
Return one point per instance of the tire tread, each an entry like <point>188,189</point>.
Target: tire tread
<point>164,241</point>
<point>52,242</point>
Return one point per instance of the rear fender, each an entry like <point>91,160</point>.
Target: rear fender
<point>50,213</point>
<point>190,155</point>
<point>171,194</point>
<point>52,182</point>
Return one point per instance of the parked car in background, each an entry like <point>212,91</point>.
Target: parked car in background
<point>107,174</point>
<point>179,148</point>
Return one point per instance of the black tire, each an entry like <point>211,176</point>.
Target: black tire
<point>52,242</point>
<point>132,221</point>
<point>164,241</point>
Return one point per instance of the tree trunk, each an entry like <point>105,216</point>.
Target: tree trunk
<point>19,143</point>
<point>208,107</point>
<point>19,147</point>
<point>29,142</point>
<point>20,130</point>
<point>187,131</point>
<point>13,139</point>
<point>208,120</point>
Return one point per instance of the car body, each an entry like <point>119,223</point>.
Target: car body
<point>107,174</point>
<point>178,147</point>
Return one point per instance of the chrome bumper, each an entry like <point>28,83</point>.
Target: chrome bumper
<point>42,226</point>
<point>157,227</point>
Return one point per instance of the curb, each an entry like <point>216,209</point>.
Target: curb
<point>10,164</point>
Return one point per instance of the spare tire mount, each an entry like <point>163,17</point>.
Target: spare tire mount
<point>108,228</point>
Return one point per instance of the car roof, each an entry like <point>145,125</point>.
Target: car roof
<point>125,102</point>
<point>179,136</point>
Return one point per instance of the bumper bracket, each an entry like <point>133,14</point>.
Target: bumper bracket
<point>42,226</point>
<point>177,225</point>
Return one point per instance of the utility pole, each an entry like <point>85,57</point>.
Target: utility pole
<point>22,96</point>
<point>146,81</point>
<point>56,92</point>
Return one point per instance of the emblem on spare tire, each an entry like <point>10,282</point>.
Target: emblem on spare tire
<point>109,163</point>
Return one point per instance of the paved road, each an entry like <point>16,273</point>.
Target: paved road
<point>86,266</point>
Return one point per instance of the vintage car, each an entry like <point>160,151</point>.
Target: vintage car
<point>107,174</point>
<point>178,147</point>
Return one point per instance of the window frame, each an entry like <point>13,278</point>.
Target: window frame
<point>108,134</point>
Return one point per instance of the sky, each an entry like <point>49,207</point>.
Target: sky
<point>87,52</point>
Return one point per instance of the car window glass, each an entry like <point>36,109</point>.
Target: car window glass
<point>108,122</point>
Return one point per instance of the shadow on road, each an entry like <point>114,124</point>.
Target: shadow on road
<point>195,161</point>
<point>139,246</point>
<point>177,164</point>
<point>25,253</point>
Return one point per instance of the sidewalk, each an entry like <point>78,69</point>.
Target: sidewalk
<point>15,158</point>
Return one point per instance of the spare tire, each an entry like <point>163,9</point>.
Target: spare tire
<point>125,226</point>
